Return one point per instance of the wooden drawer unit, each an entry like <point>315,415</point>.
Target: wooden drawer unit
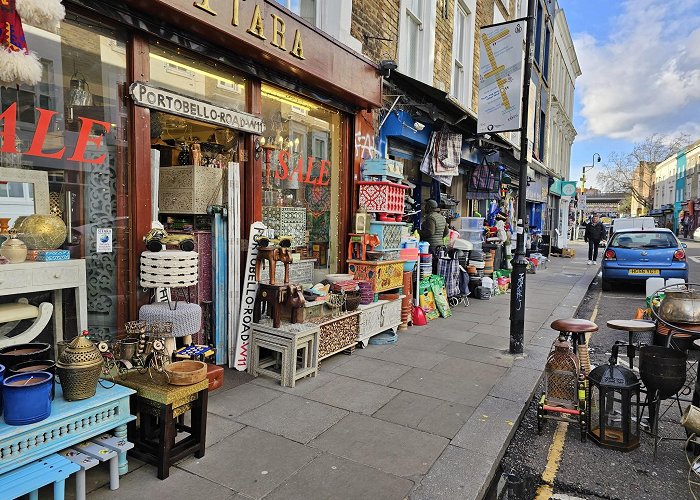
<point>12,278</point>
<point>378,317</point>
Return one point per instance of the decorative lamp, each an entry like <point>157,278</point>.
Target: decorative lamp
<point>613,402</point>
<point>362,220</point>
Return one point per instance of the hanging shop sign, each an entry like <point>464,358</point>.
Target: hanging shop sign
<point>176,104</point>
<point>500,76</point>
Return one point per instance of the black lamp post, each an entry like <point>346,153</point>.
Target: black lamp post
<point>613,406</point>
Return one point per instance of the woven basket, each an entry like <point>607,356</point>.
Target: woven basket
<point>352,301</point>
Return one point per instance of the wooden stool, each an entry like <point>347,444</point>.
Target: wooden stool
<point>158,406</point>
<point>295,347</point>
<point>359,243</point>
<point>262,366</point>
<point>640,332</point>
<point>29,478</point>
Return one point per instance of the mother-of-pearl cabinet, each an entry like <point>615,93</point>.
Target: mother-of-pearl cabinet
<point>378,317</point>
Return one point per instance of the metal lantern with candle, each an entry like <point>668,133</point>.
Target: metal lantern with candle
<point>79,369</point>
<point>613,402</point>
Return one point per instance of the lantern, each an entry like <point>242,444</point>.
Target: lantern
<point>362,220</point>
<point>613,406</point>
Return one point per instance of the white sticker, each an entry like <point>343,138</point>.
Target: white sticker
<point>104,240</point>
<point>520,229</point>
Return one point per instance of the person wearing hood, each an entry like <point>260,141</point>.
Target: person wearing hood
<point>434,227</point>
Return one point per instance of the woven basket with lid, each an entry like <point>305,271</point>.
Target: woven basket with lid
<point>79,369</point>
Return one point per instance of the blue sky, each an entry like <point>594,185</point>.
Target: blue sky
<point>640,61</point>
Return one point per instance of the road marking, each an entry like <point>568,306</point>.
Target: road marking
<point>694,258</point>
<point>546,490</point>
<point>556,449</point>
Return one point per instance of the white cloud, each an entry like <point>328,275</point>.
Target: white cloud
<point>645,77</point>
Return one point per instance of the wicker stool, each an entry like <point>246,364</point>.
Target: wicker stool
<point>185,317</point>
<point>298,346</point>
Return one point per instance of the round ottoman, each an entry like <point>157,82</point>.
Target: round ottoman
<point>185,317</point>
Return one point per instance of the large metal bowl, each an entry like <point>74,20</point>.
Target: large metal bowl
<point>681,306</point>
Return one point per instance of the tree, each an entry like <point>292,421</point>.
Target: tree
<point>633,172</point>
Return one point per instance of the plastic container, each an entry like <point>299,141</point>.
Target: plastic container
<point>409,253</point>
<point>424,247</point>
<point>653,285</point>
<point>27,398</point>
<point>487,283</point>
<point>409,265</point>
<point>471,236</point>
<point>472,223</point>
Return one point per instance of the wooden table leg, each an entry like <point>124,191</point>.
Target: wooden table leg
<point>167,441</point>
<point>121,432</point>
<point>199,421</point>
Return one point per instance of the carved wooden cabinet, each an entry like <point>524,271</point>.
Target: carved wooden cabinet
<point>378,317</point>
<point>189,189</point>
<point>337,333</point>
<point>382,274</point>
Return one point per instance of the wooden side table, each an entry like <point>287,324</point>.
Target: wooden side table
<point>158,407</point>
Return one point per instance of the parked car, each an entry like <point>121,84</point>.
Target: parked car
<point>696,234</point>
<point>638,254</point>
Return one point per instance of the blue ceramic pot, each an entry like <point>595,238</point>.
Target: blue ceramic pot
<point>35,365</point>
<point>27,397</point>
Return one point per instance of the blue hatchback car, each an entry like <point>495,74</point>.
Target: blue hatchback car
<point>638,254</point>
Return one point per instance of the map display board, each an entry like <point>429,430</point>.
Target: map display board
<point>500,76</point>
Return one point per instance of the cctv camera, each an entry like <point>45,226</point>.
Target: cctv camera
<point>418,126</point>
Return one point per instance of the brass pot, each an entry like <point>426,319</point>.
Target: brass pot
<point>79,369</point>
<point>14,249</point>
<point>681,306</point>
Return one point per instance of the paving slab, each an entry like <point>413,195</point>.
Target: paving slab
<point>354,395</point>
<point>411,357</point>
<point>329,477</point>
<point>373,350</point>
<point>234,402</point>
<point>372,370</point>
<point>293,417</point>
<point>423,340</point>
<point>457,474</point>
<point>424,413</point>
<point>482,354</point>
<point>252,462</point>
<point>491,341</point>
<point>534,357</point>
<point>302,386</point>
<point>457,332</point>
<point>384,445</point>
<point>218,428</point>
<point>457,389</point>
<point>518,384</point>
<point>144,483</point>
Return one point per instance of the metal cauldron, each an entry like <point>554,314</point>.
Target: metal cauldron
<point>681,306</point>
<point>662,369</point>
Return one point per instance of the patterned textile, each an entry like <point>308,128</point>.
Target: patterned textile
<point>448,154</point>
<point>484,182</point>
<point>449,270</point>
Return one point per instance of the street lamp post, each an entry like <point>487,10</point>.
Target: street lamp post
<point>579,212</point>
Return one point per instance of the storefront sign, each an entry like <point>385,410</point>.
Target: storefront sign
<point>170,102</point>
<point>287,171</point>
<point>250,289</point>
<point>500,76</point>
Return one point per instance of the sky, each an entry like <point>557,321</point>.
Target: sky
<point>640,64</point>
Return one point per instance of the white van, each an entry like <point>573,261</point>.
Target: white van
<point>632,223</point>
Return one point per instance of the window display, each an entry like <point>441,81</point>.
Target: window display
<point>72,128</point>
<point>301,175</point>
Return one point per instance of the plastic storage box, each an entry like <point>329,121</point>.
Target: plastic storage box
<point>472,223</point>
<point>387,197</point>
<point>389,234</point>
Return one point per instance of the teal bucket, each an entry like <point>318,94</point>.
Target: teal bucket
<point>27,397</point>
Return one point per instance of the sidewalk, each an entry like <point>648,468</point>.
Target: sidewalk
<point>427,418</point>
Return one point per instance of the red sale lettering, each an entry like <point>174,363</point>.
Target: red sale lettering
<point>283,157</point>
<point>83,139</point>
<point>323,171</point>
<point>9,117</point>
<point>309,171</point>
<point>42,128</point>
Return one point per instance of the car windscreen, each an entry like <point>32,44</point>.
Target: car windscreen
<point>644,239</point>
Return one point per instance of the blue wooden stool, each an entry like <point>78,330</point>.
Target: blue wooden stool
<point>29,478</point>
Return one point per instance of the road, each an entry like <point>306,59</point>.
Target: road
<point>584,470</point>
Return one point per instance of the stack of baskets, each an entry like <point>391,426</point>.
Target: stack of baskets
<point>488,262</point>
<point>426,265</point>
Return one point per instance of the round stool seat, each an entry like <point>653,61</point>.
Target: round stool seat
<point>574,325</point>
<point>632,325</point>
<point>185,317</point>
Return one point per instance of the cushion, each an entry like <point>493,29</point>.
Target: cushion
<point>17,311</point>
<point>185,317</point>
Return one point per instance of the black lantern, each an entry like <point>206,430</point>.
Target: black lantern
<point>613,406</point>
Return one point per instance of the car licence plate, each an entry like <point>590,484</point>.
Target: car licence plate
<point>649,272</point>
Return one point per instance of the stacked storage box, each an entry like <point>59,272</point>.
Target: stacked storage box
<point>472,230</point>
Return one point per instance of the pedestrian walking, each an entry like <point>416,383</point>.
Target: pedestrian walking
<point>595,232</point>
<point>686,227</point>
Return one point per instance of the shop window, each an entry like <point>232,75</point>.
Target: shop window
<point>301,175</point>
<point>417,39</point>
<point>71,127</point>
<point>462,50</point>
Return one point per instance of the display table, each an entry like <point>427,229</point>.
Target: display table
<point>158,405</point>
<point>30,276</point>
<point>70,423</point>
<point>337,334</point>
<point>378,317</point>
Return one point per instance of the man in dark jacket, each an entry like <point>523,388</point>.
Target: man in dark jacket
<point>434,227</point>
<point>595,232</point>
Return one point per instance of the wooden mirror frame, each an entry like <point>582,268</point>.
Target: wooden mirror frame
<point>38,178</point>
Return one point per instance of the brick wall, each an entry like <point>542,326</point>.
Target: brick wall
<point>377,18</point>
<point>444,26</point>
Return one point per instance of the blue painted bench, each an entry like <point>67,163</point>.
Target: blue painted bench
<point>29,478</point>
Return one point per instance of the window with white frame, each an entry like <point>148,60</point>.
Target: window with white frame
<point>462,51</point>
<point>417,39</point>
<point>306,9</point>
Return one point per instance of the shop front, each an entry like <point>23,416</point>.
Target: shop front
<point>168,112</point>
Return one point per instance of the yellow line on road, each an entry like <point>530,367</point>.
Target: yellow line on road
<point>556,449</point>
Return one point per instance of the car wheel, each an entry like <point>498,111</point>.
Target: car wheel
<point>606,285</point>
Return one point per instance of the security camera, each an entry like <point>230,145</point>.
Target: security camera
<point>418,126</point>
